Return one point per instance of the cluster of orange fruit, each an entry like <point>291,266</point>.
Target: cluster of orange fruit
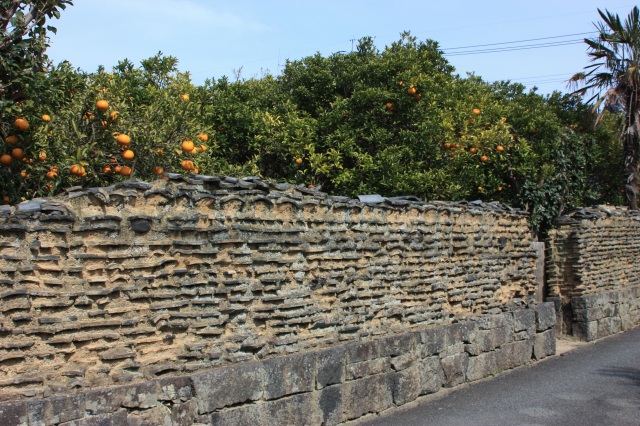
<point>17,153</point>
<point>188,147</point>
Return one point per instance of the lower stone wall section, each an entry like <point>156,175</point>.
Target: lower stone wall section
<point>600,315</point>
<point>328,386</point>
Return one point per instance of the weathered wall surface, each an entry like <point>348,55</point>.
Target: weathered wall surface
<point>137,281</point>
<point>327,386</point>
<point>591,271</point>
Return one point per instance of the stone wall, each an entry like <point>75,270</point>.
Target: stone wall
<point>591,272</point>
<point>126,284</point>
<point>320,387</point>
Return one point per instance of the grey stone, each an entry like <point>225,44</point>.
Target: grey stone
<point>157,416</point>
<point>544,344</point>
<point>362,351</point>
<point>330,402</point>
<point>367,368</point>
<point>64,408</point>
<point>545,316</point>
<point>227,386</point>
<point>293,410</point>
<point>483,365</point>
<point>523,320</point>
<point>431,375</point>
<point>112,419</point>
<point>174,389</point>
<point>515,354</point>
<point>371,394</point>
<point>141,226</point>
<point>455,367</point>
<point>14,413</point>
<point>330,365</point>
<point>288,375</point>
<point>433,341</point>
<point>406,385</point>
<point>398,345</point>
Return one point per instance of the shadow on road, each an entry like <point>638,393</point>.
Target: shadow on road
<point>630,374</point>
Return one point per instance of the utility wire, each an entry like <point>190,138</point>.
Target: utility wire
<point>519,41</point>
<point>514,48</point>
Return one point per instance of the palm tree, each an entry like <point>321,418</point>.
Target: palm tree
<point>614,80</point>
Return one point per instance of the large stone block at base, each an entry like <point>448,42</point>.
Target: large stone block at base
<point>299,409</point>
<point>368,395</point>
<point>223,387</point>
<point>483,365</point>
<point>544,344</point>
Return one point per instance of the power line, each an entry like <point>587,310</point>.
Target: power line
<point>514,48</point>
<point>519,41</point>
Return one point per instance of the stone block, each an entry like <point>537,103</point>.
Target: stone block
<point>545,316</point>
<point>523,320</point>
<point>140,395</point>
<point>174,389</point>
<point>64,408</point>
<point>330,403</point>
<point>455,367</point>
<point>401,362</point>
<point>371,394</point>
<point>515,354</point>
<point>488,322</point>
<point>299,409</point>
<point>330,366</point>
<point>544,344</point>
<point>288,375</point>
<point>183,414</point>
<point>483,365</point>
<point>111,419</point>
<point>227,386</point>
<point>367,368</point>
<point>406,385</point>
<point>362,351</point>
<point>14,413</point>
<point>158,415</point>
<point>432,341</point>
<point>394,346</point>
<point>431,375</point>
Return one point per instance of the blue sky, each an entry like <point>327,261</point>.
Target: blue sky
<point>215,38</point>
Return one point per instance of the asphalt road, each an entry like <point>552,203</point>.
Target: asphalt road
<point>594,384</point>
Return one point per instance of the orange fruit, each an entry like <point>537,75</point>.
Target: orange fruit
<point>499,188</point>
<point>203,137</point>
<point>473,150</point>
<point>6,159</point>
<point>107,170</point>
<point>42,156</point>
<point>17,153</point>
<point>46,117</point>
<point>484,158</point>
<point>476,111</point>
<point>51,175</point>
<point>479,188</point>
<point>21,124</point>
<point>76,169</point>
<point>125,171</point>
<point>157,170</point>
<point>500,148</point>
<point>187,145</point>
<point>389,105</point>
<point>412,90</point>
<point>447,145</point>
<point>298,161</point>
<point>123,139</point>
<point>185,97</point>
<point>418,96</point>
<point>118,169</point>
<point>311,186</point>
<point>187,165</point>
<point>102,105</point>
<point>104,124</point>
<point>11,139</point>
<point>202,148</point>
<point>128,154</point>
<point>114,116</point>
<point>88,115</point>
<point>196,170</point>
